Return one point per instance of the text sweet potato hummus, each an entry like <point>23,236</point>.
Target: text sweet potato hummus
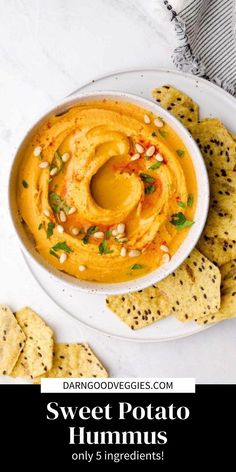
<point>107,190</point>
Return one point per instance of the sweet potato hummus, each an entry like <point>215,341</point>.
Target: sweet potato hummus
<point>107,190</point>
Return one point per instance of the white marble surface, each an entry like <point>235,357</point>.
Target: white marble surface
<point>47,49</point>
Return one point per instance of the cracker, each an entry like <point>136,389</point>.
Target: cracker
<point>36,356</point>
<point>228,271</point>
<point>216,144</point>
<point>177,103</point>
<point>74,360</point>
<point>12,340</point>
<point>228,296</point>
<point>194,288</point>
<point>218,241</point>
<point>217,250</point>
<point>140,309</point>
<point>221,219</point>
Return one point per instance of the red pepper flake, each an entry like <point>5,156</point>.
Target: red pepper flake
<point>165,161</point>
<point>152,246</point>
<point>49,125</point>
<point>64,191</point>
<point>178,198</point>
<point>131,153</point>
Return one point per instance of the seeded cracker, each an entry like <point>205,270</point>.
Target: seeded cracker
<point>36,357</point>
<point>218,241</point>
<point>222,215</point>
<point>217,145</point>
<point>140,309</point>
<point>177,103</point>
<point>217,250</point>
<point>194,288</point>
<point>12,340</point>
<point>228,271</point>
<point>74,360</point>
<point>228,295</point>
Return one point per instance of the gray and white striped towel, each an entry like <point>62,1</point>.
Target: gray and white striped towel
<point>206,32</point>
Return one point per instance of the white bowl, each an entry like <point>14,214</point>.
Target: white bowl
<point>189,242</point>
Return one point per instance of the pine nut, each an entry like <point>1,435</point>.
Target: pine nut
<point>139,148</point>
<point>158,123</point>
<point>159,158</point>
<point>37,151</point>
<point>60,229</point>
<point>75,231</point>
<point>121,228</point>
<point>46,212</point>
<point>63,258</point>
<point>65,157</point>
<point>53,171</point>
<point>99,235</point>
<point>135,157</point>
<point>165,258</point>
<point>62,216</point>
<point>150,151</point>
<point>43,165</point>
<point>82,268</point>
<point>123,251</point>
<point>134,253</point>
<point>71,211</point>
<point>164,248</point>
<point>146,119</point>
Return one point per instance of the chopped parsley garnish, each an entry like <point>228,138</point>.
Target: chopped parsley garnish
<point>108,233</point>
<point>190,200</point>
<point>147,178</point>
<point>57,203</point>
<point>180,152</point>
<point>163,133</point>
<point>181,204</point>
<point>150,189</point>
<point>103,248</point>
<point>92,230</point>
<point>40,226</point>
<point>85,239</point>
<point>53,253</point>
<point>154,133</point>
<point>62,246</point>
<point>155,166</point>
<point>136,267</point>
<point>178,218</point>
<point>180,221</point>
<point>56,162</point>
<point>25,183</point>
<point>50,229</point>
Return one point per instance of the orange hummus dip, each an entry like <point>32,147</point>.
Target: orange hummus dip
<point>107,190</point>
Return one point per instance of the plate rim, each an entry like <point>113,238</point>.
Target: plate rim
<point>155,69</point>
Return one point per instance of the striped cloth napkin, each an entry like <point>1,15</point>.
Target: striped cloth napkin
<point>206,33</point>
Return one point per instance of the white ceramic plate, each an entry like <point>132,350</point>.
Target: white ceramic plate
<point>91,309</point>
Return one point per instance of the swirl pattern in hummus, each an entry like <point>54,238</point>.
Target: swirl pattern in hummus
<point>107,190</point>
